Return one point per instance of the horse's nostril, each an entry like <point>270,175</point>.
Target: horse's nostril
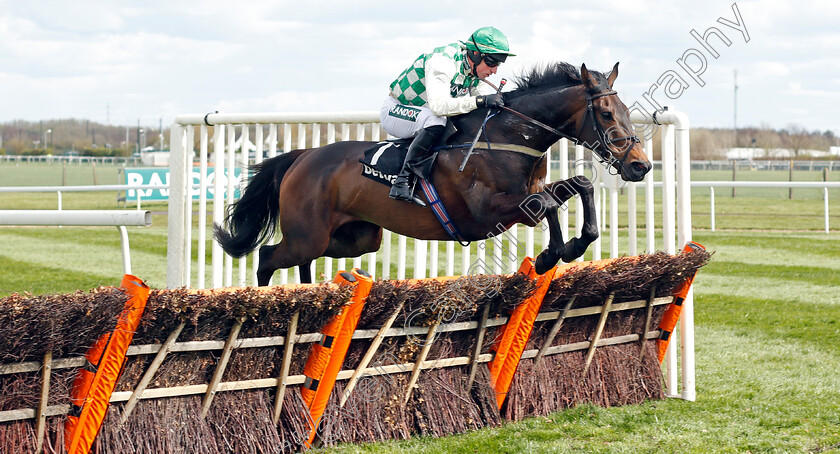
<point>640,167</point>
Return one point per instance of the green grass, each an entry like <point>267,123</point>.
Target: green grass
<point>767,315</point>
<point>56,174</point>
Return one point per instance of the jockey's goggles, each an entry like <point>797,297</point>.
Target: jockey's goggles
<point>493,60</point>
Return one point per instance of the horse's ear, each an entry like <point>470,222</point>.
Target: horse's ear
<point>613,75</point>
<point>588,81</point>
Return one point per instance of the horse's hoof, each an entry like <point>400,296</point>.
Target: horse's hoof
<point>543,264</point>
<point>572,256</point>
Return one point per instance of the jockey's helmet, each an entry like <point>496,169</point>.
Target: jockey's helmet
<point>491,45</point>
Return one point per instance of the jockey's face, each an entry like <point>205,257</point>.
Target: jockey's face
<point>483,71</point>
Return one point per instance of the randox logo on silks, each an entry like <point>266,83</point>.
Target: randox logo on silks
<point>404,112</point>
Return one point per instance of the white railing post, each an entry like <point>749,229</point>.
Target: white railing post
<point>386,254</point>
<point>825,199</point>
<point>650,230</point>
<point>401,256</point>
<point>126,249</point>
<point>188,152</point>
<point>668,189</point>
<point>684,235</point>
<point>177,199</point>
<point>450,258</point>
<point>712,207</point>
<point>668,236</point>
<point>216,255</point>
<point>227,196</point>
<point>465,260</point>
<point>202,208</point>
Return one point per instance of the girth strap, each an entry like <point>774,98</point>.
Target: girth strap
<point>440,212</point>
<point>498,147</point>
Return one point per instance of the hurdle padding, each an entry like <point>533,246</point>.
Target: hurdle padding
<point>412,364</point>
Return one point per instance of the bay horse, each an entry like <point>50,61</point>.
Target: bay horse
<point>327,208</point>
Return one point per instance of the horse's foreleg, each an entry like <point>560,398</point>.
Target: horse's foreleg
<point>551,255</point>
<point>561,191</point>
<point>533,208</point>
<point>589,231</point>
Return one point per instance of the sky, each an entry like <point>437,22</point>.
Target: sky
<point>119,62</point>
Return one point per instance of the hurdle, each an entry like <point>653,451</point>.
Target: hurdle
<point>429,373</point>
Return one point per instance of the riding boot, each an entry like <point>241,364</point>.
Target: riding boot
<point>403,187</point>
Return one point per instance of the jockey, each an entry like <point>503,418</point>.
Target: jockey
<point>439,84</point>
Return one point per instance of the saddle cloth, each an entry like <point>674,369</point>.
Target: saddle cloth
<point>383,161</point>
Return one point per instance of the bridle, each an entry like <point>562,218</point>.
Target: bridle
<point>603,138</point>
<point>601,147</point>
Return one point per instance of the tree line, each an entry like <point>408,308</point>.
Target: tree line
<point>75,136</point>
<point>711,143</point>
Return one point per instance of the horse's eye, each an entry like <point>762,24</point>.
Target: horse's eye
<point>608,116</point>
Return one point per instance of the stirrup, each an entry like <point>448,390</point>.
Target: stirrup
<point>406,193</point>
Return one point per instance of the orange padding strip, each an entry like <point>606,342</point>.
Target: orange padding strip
<point>672,314</point>
<point>91,391</point>
<point>516,332</point>
<point>327,356</point>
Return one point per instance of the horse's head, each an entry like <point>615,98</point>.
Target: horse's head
<point>605,127</point>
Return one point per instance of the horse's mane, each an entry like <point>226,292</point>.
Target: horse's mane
<point>556,75</point>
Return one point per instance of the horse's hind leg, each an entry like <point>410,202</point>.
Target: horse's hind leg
<point>305,271</point>
<point>267,266</point>
<point>284,255</point>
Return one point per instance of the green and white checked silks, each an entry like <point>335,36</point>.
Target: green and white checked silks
<point>435,80</point>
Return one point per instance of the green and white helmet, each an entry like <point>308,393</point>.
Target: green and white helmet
<point>489,41</point>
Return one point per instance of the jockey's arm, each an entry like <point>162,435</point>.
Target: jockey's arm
<point>439,73</point>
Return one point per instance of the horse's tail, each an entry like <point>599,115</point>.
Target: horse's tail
<point>253,218</point>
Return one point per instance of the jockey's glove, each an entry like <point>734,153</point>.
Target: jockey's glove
<point>494,100</point>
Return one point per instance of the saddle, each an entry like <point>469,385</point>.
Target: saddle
<point>383,161</point>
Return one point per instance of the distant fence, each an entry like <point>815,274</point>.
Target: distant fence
<point>113,161</point>
<point>764,165</point>
<point>824,185</point>
<point>59,190</point>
